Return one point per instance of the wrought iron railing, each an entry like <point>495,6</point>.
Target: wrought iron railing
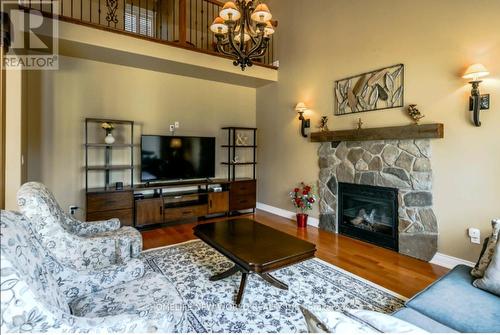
<point>184,23</point>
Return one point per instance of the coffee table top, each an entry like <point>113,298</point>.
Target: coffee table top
<point>254,246</point>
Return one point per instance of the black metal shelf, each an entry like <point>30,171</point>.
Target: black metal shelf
<point>239,146</point>
<point>231,147</point>
<point>108,166</point>
<point>104,145</point>
<point>238,128</point>
<point>239,163</point>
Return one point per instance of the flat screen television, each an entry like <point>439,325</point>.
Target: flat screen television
<point>166,158</point>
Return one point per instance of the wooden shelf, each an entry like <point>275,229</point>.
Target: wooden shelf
<point>104,145</point>
<point>110,167</point>
<point>238,146</point>
<point>434,130</point>
<point>240,163</point>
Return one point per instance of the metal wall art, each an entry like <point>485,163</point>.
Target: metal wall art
<point>375,90</point>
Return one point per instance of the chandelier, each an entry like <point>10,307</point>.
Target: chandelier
<point>243,29</point>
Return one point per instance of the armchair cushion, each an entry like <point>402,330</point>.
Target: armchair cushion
<point>152,292</point>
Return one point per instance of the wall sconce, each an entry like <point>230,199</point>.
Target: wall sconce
<point>304,123</point>
<point>477,102</point>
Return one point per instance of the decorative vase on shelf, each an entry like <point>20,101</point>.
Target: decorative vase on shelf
<point>109,139</point>
<point>302,220</point>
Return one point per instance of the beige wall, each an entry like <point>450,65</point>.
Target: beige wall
<point>321,41</point>
<point>59,101</point>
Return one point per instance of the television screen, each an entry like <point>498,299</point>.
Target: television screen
<point>177,157</point>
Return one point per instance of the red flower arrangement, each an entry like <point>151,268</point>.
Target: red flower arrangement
<point>303,197</point>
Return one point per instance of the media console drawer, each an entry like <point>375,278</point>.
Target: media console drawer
<point>242,195</point>
<point>99,202</point>
<point>171,214</point>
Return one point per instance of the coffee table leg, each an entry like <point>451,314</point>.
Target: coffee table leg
<point>225,274</point>
<point>243,283</point>
<point>273,281</point>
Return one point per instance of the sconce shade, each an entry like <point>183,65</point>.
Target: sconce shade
<point>230,12</point>
<point>300,107</point>
<point>261,13</point>
<point>218,26</point>
<point>476,71</point>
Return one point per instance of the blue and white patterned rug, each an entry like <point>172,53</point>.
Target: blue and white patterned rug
<point>313,283</point>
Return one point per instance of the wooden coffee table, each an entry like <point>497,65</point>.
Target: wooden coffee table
<point>254,248</point>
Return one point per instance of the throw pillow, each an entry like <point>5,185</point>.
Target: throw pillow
<point>485,259</point>
<point>491,279</point>
<point>333,322</point>
<point>385,323</point>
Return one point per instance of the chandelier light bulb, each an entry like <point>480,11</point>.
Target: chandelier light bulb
<point>230,12</point>
<point>218,26</point>
<point>269,29</point>
<point>261,13</point>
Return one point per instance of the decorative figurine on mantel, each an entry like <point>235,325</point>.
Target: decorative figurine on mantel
<point>415,114</point>
<point>323,123</point>
<point>360,124</point>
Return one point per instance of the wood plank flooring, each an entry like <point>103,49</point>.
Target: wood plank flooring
<point>401,274</point>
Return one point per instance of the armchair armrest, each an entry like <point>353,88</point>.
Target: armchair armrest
<point>89,228</point>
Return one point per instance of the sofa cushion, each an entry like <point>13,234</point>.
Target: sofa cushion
<point>454,302</point>
<point>412,316</point>
<point>152,294</point>
<point>491,280</point>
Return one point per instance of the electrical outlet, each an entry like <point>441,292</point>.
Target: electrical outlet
<point>177,124</point>
<point>73,209</point>
<point>475,235</point>
<point>172,128</point>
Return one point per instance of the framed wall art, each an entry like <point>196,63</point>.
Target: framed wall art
<point>371,91</point>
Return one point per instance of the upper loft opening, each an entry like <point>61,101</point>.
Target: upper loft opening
<point>180,23</point>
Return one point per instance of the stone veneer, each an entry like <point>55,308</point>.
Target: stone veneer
<point>404,165</point>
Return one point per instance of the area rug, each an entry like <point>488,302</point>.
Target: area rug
<point>313,284</point>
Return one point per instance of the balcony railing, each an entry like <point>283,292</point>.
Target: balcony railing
<point>183,23</point>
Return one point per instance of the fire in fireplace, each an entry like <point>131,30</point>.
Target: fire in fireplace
<point>369,213</point>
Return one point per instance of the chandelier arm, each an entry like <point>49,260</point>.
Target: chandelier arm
<point>221,44</point>
<point>257,45</point>
<point>241,55</point>
<point>260,52</point>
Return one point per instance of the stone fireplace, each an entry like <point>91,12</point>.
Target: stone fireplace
<point>401,165</point>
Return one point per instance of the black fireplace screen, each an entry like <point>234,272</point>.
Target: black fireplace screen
<point>369,213</point>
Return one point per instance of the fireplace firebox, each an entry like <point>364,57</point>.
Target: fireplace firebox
<point>369,213</point>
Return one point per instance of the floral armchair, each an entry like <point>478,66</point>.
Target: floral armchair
<point>33,300</point>
<point>92,245</point>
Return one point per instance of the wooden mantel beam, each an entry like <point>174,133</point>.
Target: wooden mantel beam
<point>434,130</point>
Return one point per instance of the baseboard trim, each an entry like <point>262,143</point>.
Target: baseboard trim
<point>313,222</point>
<point>449,262</point>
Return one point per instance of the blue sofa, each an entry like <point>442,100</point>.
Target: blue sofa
<point>453,304</point>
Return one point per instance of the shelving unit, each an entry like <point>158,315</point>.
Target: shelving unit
<point>108,166</point>
<point>232,148</point>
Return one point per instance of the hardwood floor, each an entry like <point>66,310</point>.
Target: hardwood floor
<point>396,272</point>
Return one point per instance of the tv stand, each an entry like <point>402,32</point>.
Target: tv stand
<point>149,204</point>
